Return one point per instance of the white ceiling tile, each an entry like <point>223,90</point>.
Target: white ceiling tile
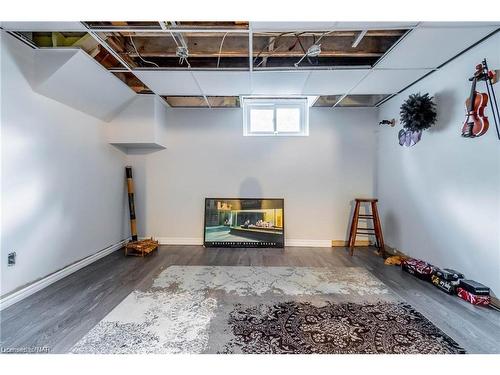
<point>388,81</point>
<point>431,47</point>
<point>292,26</point>
<point>333,82</point>
<point>319,26</point>
<point>278,83</point>
<point>459,24</point>
<point>43,26</point>
<point>93,90</point>
<point>223,82</point>
<point>169,82</point>
<point>374,25</point>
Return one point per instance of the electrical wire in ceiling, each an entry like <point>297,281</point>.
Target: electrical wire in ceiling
<point>314,49</point>
<point>220,49</point>
<point>138,54</point>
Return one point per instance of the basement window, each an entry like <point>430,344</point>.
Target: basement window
<point>275,116</point>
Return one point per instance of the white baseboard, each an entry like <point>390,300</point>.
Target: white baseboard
<point>308,243</point>
<point>199,241</point>
<point>10,299</point>
<point>179,240</point>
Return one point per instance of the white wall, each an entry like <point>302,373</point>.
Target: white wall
<point>142,121</point>
<point>440,200</point>
<point>63,192</point>
<point>208,156</point>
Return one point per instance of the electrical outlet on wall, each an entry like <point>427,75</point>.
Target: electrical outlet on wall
<point>11,259</point>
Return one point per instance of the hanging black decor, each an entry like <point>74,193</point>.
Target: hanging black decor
<point>418,112</point>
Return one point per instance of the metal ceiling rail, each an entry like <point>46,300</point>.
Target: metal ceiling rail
<point>106,46</point>
<point>246,69</point>
<point>348,92</point>
<point>173,30</point>
<point>201,90</point>
<point>22,38</point>
<point>195,30</point>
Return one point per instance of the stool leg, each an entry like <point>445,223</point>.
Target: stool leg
<point>351,232</point>
<point>354,228</point>
<point>378,229</point>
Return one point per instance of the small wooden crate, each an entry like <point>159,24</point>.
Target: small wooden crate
<point>141,248</point>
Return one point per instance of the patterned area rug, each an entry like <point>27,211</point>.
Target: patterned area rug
<point>265,310</point>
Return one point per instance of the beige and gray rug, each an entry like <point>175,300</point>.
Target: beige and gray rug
<point>195,309</point>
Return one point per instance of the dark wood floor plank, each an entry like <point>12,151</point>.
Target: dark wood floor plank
<point>59,315</point>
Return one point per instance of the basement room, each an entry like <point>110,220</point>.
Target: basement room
<point>316,183</point>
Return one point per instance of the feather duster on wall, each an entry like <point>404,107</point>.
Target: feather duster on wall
<point>418,113</point>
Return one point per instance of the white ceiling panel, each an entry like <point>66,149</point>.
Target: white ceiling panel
<point>292,26</point>
<point>431,47</point>
<point>169,82</point>
<point>460,24</point>
<point>374,25</point>
<point>223,82</point>
<point>43,26</point>
<point>333,82</point>
<point>93,90</point>
<point>388,81</point>
<point>278,83</point>
<point>318,26</point>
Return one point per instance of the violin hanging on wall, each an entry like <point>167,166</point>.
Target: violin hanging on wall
<point>476,123</point>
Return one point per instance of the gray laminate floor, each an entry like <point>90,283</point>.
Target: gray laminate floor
<point>59,315</point>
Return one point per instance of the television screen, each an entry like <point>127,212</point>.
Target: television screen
<point>234,222</point>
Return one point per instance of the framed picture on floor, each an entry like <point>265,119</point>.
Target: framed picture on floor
<point>244,222</point>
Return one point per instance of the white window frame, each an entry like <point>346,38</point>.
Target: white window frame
<point>274,103</point>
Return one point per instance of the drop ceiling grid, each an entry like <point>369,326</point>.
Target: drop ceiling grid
<point>386,77</point>
<point>402,65</point>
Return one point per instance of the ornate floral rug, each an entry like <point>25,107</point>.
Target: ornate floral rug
<point>276,310</point>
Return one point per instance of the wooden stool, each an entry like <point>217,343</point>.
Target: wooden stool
<point>376,230</point>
